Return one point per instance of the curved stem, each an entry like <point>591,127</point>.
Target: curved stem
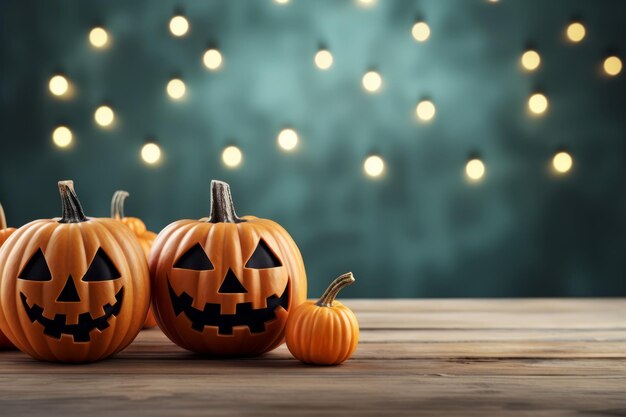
<point>3,220</point>
<point>117,204</point>
<point>72,210</point>
<point>327,299</point>
<point>222,207</point>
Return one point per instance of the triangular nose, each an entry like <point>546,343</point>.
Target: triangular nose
<point>231,284</point>
<point>69,293</point>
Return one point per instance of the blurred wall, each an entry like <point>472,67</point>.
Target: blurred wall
<point>420,230</point>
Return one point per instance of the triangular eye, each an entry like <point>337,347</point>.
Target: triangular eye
<point>263,257</point>
<point>194,259</point>
<point>36,268</point>
<point>101,268</point>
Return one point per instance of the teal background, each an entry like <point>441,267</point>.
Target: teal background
<point>421,230</point>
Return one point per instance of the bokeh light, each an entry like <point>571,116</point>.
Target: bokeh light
<point>612,66</point>
<point>323,59</point>
<point>176,89</point>
<point>576,32</point>
<point>98,37</point>
<point>179,26</point>
<point>232,156</point>
<point>62,136</point>
<point>151,153</point>
<point>420,31</point>
<point>562,162</point>
<point>374,166</point>
<point>538,103</point>
<point>104,116</point>
<point>372,81</point>
<point>475,170</point>
<point>212,59</point>
<point>288,139</point>
<point>425,110</point>
<point>531,60</point>
<point>281,1</point>
<point>58,85</point>
<point>366,3</point>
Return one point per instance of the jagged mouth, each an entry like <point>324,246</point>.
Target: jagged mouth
<point>79,331</point>
<point>245,315</point>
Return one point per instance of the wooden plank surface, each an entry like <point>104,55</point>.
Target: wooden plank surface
<point>475,357</point>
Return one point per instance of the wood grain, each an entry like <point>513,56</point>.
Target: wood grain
<point>416,357</point>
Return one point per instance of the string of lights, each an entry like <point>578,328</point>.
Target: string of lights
<point>61,87</point>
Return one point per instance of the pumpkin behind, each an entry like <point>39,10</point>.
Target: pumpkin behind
<point>5,232</point>
<point>143,235</point>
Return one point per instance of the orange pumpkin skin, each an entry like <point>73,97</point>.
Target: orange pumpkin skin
<point>322,333</point>
<point>143,235</point>
<point>41,312</point>
<point>181,295</point>
<point>5,232</point>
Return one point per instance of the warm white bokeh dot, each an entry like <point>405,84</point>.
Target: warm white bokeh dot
<point>212,59</point>
<point>58,85</point>
<point>420,31</point>
<point>62,136</point>
<point>281,1</point>
<point>576,32</point>
<point>151,153</point>
<point>374,166</point>
<point>372,81</point>
<point>176,89</point>
<point>425,110</point>
<point>366,3</point>
<point>562,162</point>
<point>475,170</point>
<point>98,37</point>
<point>232,156</point>
<point>531,60</point>
<point>104,116</point>
<point>612,66</point>
<point>538,103</point>
<point>179,25</point>
<point>323,59</point>
<point>288,139</point>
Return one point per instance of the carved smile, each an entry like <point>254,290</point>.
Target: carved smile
<point>80,331</point>
<point>245,315</point>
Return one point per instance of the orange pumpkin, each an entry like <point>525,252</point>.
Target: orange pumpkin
<point>5,232</point>
<point>74,289</point>
<point>324,332</point>
<point>225,285</point>
<point>144,236</point>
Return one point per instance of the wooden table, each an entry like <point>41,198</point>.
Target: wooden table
<point>416,357</point>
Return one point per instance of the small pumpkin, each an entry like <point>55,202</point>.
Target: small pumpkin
<point>75,288</point>
<point>225,285</point>
<point>143,235</point>
<point>5,232</point>
<point>324,332</point>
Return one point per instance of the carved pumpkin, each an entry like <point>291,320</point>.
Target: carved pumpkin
<point>5,232</point>
<point>324,332</point>
<point>74,289</point>
<point>225,285</point>
<point>144,236</point>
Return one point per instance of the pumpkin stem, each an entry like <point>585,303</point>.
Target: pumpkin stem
<point>117,204</point>
<point>72,210</point>
<point>3,220</point>
<point>327,299</point>
<point>222,207</point>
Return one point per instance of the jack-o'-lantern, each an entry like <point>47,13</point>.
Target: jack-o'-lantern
<point>143,235</point>
<point>5,232</point>
<point>225,285</point>
<point>74,289</point>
